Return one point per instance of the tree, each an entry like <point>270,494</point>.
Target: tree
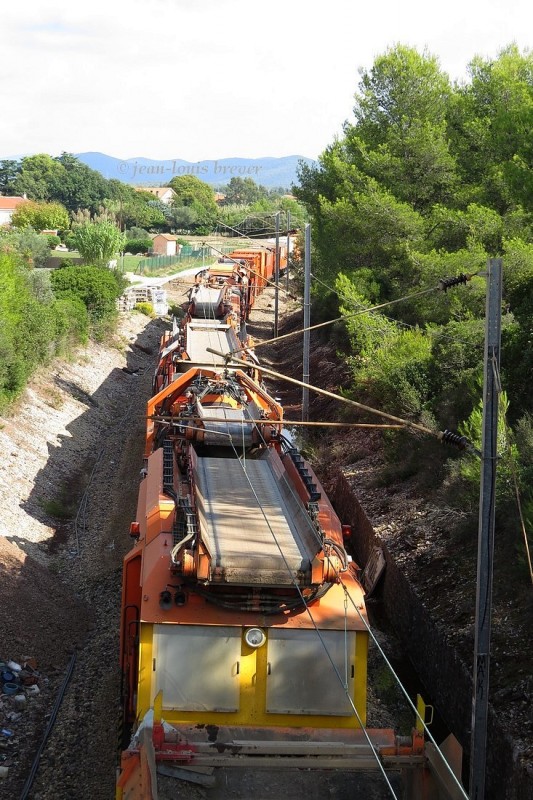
<point>489,126</point>
<point>29,245</point>
<point>134,208</point>
<point>98,242</point>
<point>9,170</point>
<point>81,186</point>
<point>197,196</point>
<point>243,191</point>
<point>40,216</point>
<point>40,177</point>
<point>184,218</point>
<point>98,289</point>
<point>400,133</point>
<point>402,89</point>
<point>64,179</point>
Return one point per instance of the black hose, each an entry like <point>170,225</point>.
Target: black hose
<point>51,721</point>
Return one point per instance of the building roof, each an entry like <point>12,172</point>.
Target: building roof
<point>159,191</point>
<point>11,202</point>
<point>167,236</point>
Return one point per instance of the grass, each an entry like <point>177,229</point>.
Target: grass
<point>54,399</point>
<point>130,262</point>
<point>60,509</point>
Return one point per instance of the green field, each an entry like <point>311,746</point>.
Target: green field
<point>130,263</point>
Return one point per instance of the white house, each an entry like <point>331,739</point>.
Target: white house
<point>8,206</point>
<point>163,193</point>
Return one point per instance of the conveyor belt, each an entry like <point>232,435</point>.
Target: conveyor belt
<point>268,540</point>
<point>215,335</point>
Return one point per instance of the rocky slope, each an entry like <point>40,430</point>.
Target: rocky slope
<point>70,447</point>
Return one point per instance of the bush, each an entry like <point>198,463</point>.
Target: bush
<point>71,322</point>
<point>69,240</point>
<point>30,245</point>
<point>136,233</point>
<point>33,325</point>
<point>145,308</point>
<point>456,369</point>
<point>98,242</point>
<point>468,467</point>
<point>136,246</point>
<point>52,240</point>
<point>396,376</point>
<point>367,331</point>
<point>97,288</point>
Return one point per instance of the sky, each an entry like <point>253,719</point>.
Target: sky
<point>211,79</point>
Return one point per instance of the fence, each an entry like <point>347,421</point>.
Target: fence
<point>188,256</point>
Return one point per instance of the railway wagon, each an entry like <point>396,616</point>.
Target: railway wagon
<point>242,614</point>
<point>244,635</point>
<point>259,264</point>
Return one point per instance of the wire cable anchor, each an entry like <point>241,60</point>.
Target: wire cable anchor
<point>447,283</point>
<point>460,442</point>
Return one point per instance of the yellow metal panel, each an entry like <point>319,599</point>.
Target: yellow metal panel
<point>361,661</point>
<point>252,697</point>
<point>422,709</point>
<point>247,681</point>
<point>145,669</point>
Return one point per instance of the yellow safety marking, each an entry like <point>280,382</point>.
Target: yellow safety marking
<point>248,680</point>
<point>422,710</point>
<point>145,669</point>
<point>360,684</point>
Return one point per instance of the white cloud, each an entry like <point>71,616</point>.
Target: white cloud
<point>216,78</point>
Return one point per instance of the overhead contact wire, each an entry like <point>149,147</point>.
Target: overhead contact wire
<point>317,630</point>
<point>309,613</point>
<point>361,406</point>
<point>359,313</point>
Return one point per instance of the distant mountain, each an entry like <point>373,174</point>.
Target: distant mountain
<point>138,171</point>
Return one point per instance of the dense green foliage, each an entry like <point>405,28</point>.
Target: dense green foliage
<point>135,246</point>
<point>98,290</point>
<point>98,242</point>
<point>40,216</point>
<point>429,181</point>
<point>33,247</point>
<point>62,185</point>
<point>34,324</point>
<point>193,207</point>
<point>44,314</point>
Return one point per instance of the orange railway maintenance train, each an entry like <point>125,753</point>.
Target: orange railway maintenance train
<point>243,630</point>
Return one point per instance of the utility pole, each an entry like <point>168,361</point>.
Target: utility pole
<point>489,458</point>
<point>288,248</point>
<point>307,322</point>
<point>276,277</point>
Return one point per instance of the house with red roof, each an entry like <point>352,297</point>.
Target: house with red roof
<point>8,206</point>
